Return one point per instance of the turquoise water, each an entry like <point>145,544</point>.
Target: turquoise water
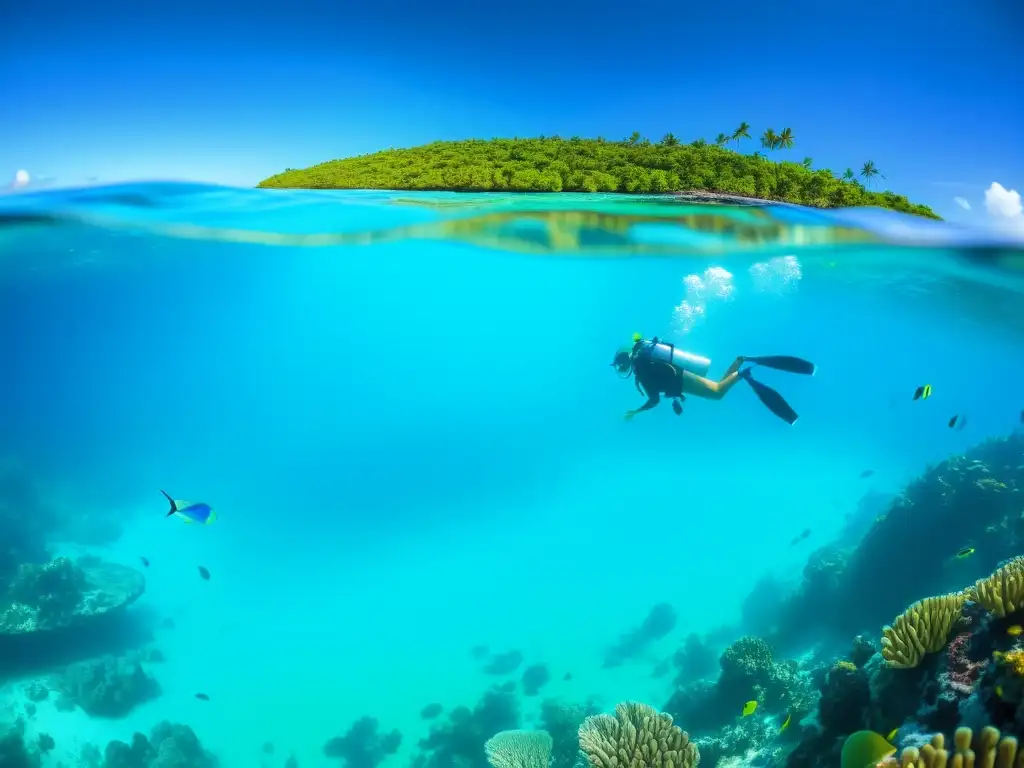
<point>402,410</point>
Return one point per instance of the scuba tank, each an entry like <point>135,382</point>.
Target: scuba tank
<point>679,359</point>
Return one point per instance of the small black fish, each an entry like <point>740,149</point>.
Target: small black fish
<point>202,697</point>
<point>866,473</point>
<point>923,392</point>
<point>145,562</point>
<point>803,535</point>
<point>957,422</point>
<point>204,574</point>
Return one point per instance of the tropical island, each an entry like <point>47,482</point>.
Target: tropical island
<point>634,165</point>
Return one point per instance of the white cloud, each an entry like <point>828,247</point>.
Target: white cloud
<point>1004,202</point>
<point>962,202</point>
<point>21,178</point>
<point>1005,208</point>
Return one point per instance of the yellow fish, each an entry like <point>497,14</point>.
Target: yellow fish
<point>749,708</point>
<point>785,725</point>
<point>923,392</point>
<point>999,691</point>
<point>892,734</point>
<point>1015,630</point>
<point>964,553</point>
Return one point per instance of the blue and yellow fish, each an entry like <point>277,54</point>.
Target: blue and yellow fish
<point>191,511</point>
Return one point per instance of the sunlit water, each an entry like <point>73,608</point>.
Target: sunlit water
<point>401,407</point>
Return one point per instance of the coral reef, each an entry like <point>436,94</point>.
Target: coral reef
<point>1002,593</point>
<point>638,736</point>
<point>460,739</point>
<point>107,687</point>
<point>921,629</point>
<point>562,721</point>
<point>51,592</point>
<point>535,677</point>
<point>694,660</point>
<point>63,593</point>
<point>519,749</point>
<point>748,672</point>
<point>362,746</point>
<point>971,498</point>
<point>14,753</point>
<point>170,745</point>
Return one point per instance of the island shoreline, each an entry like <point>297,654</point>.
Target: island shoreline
<point>697,173</point>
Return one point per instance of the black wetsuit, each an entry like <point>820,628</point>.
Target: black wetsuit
<point>655,378</point>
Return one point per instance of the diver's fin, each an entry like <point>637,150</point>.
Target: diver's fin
<point>174,506</point>
<point>784,363</point>
<point>772,400</point>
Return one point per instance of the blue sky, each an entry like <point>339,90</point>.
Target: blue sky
<point>231,93</point>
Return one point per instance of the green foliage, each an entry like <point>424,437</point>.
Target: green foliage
<point>633,165</point>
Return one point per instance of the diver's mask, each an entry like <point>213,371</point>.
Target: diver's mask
<point>623,363</point>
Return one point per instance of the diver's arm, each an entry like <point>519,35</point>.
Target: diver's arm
<point>652,401</point>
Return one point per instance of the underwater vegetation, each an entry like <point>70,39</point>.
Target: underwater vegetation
<point>904,635</point>
<point>635,165</point>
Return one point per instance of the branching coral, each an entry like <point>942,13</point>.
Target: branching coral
<point>638,736</point>
<point>1002,593</point>
<point>992,751</point>
<point>519,749</point>
<point>748,657</point>
<point>921,629</point>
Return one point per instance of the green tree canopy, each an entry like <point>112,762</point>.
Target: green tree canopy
<point>633,165</point>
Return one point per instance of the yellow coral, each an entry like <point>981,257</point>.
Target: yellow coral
<point>992,751</point>
<point>1002,593</point>
<point>638,736</point>
<point>1012,659</point>
<point>932,755</point>
<point>921,629</point>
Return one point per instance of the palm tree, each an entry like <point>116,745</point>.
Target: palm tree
<point>698,143</point>
<point>669,140</point>
<point>869,171</point>
<point>770,140</point>
<point>721,139</point>
<point>849,175</point>
<point>633,138</point>
<point>808,162</point>
<point>743,132</point>
<point>786,138</point>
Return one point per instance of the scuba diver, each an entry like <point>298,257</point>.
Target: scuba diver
<point>662,369</point>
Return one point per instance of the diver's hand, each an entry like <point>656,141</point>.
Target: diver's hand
<point>628,415</point>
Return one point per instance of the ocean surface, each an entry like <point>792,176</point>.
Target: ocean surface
<point>402,410</point>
